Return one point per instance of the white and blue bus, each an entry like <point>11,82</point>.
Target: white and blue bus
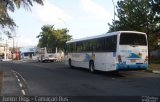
<point>49,54</point>
<point>121,50</point>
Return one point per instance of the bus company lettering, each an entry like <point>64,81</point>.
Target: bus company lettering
<point>126,51</point>
<point>131,51</point>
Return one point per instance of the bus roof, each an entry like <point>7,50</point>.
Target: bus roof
<point>103,35</point>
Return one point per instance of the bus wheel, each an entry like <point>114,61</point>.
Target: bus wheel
<point>91,67</point>
<point>70,63</point>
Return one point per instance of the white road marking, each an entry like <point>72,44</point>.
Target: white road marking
<point>20,85</point>
<point>19,75</point>
<point>23,92</point>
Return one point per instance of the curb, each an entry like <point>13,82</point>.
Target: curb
<point>156,71</point>
<point>153,71</point>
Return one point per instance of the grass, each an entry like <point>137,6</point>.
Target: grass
<point>1,79</point>
<point>155,65</point>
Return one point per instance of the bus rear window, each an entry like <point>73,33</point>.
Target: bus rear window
<point>132,39</point>
<point>50,50</point>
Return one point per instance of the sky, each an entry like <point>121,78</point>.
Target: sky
<point>83,18</point>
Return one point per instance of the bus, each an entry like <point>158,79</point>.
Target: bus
<point>115,51</point>
<point>49,54</point>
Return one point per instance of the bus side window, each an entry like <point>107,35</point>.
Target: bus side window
<point>111,43</point>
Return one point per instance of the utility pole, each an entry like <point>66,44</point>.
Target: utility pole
<point>14,49</point>
<point>5,50</point>
<point>114,13</point>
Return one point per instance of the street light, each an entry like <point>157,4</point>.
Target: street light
<point>114,14</point>
<point>63,22</point>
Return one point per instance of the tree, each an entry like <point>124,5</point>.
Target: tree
<point>155,5</point>
<point>6,22</point>
<point>137,15</point>
<point>52,38</point>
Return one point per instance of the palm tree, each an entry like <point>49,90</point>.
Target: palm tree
<point>5,20</point>
<point>10,4</point>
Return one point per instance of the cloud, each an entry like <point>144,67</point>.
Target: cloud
<point>95,10</point>
<point>49,13</point>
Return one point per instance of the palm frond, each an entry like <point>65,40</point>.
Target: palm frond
<point>39,1</point>
<point>10,5</point>
<point>17,3</point>
<point>5,20</point>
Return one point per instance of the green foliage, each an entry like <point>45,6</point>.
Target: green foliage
<point>52,38</point>
<point>6,22</point>
<point>138,15</point>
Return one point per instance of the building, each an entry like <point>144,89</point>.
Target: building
<point>5,52</point>
<point>28,53</point>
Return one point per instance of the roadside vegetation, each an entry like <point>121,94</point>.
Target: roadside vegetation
<point>156,61</point>
<point>51,38</point>
<point>155,65</point>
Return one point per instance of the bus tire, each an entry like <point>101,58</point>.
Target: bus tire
<point>70,63</point>
<point>91,67</point>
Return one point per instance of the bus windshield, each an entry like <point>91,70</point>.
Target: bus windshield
<point>133,39</point>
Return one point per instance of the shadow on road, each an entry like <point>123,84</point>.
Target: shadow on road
<point>112,74</point>
<point>121,74</point>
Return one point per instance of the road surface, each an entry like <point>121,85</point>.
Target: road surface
<point>56,79</point>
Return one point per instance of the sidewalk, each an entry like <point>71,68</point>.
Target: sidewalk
<point>10,85</point>
<point>156,71</point>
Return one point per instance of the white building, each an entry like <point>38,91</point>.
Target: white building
<point>5,53</point>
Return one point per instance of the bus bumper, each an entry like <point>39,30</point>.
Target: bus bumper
<point>131,66</point>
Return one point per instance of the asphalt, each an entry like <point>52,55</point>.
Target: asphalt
<point>56,79</point>
<point>10,84</point>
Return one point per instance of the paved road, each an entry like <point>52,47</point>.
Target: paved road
<point>56,79</point>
